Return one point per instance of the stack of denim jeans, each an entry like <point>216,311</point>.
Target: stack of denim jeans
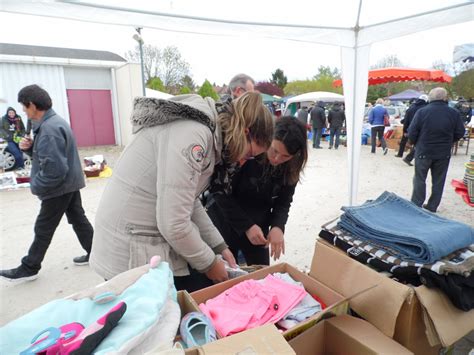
<point>410,232</point>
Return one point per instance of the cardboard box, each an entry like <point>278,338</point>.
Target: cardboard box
<point>336,304</point>
<point>345,335</point>
<point>262,340</point>
<point>397,131</point>
<point>421,319</point>
<point>393,143</point>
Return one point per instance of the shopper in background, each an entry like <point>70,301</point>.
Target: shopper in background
<point>376,120</point>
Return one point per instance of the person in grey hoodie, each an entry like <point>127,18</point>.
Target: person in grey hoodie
<point>318,121</point>
<point>56,178</point>
<point>150,205</point>
<point>336,119</point>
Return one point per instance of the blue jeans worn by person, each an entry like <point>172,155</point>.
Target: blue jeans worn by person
<point>335,131</point>
<point>17,154</point>
<point>51,212</point>
<point>377,131</point>
<point>317,134</point>
<point>439,170</point>
<point>412,233</point>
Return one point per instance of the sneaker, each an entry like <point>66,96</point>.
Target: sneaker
<point>407,162</point>
<point>81,260</point>
<point>330,147</point>
<point>18,275</point>
<point>196,329</point>
<point>385,151</point>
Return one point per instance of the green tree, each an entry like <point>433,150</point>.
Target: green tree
<point>155,83</point>
<point>279,79</point>
<point>463,84</point>
<point>185,90</point>
<point>325,72</point>
<point>207,90</point>
<point>188,81</point>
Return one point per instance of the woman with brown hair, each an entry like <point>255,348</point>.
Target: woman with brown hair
<point>255,212</point>
<point>150,205</point>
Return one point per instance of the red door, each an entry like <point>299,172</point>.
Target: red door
<point>90,112</point>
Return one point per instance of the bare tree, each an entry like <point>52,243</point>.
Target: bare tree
<point>172,67</point>
<point>151,58</point>
<point>167,64</point>
<point>388,61</point>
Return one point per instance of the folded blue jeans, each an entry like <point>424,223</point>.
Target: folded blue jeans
<point>413,233</point>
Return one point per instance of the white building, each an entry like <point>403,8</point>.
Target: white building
<point>92,90</point>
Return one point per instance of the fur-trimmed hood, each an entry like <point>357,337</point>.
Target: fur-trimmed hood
<point>149,112</point>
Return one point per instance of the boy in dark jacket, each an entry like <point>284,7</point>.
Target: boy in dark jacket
<point>56,178</point>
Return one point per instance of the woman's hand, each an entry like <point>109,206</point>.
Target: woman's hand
<point>277,243</point>
<point>229,257</point>
<point>218,273</point>
<point>255,235</point>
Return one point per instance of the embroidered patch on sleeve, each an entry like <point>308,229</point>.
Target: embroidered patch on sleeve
<point>197,152</point>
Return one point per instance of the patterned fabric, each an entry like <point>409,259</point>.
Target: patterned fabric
<point>460,262</point>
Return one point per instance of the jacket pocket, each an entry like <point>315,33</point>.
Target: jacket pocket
<point>145,243</point>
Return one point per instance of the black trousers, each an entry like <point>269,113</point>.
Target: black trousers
<point>403,143</point>
<point>439,170</point>
<point>193,282</point>
<point>51,212</point>
<point>374,132</point>
<point>253,254</point>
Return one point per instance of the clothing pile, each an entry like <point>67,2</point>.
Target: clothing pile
<point>140,305</point>
<point>465,188</point>
<point>251,303</point>
<point>413,245</point>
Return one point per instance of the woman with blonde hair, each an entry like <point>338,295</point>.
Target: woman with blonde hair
<point>151,207</point>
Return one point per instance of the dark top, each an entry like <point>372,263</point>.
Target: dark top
<point>336,117</point>
<point>56,167</point>
<point>259,196</point>
<point>434,129</point>
<point>419,103</point>
<point>318,117</point>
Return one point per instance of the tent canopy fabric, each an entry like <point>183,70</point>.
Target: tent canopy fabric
<point>353,30</point>
<point>389,75</point>
<point>269,98</point>
<point>316,96</point>
<point>406,95</point>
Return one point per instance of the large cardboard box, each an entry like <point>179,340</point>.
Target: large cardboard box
<point>345,335</point>
<point>336,304</point>
<point>421,319</point>
<point>393,143</point>
<point>262,340</point>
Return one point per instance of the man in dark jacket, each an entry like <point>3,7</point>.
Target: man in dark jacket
<point>434,129</point>
<point>336,119</point>
<point>318,121</point>
<point>419,103</point>
<point>56,178</point>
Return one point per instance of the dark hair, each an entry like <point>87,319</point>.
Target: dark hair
<point>35,95</point>
<point>292,133</point>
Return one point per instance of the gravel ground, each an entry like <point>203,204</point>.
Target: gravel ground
<point>323,190</point>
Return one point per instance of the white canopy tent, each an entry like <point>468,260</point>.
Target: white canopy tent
<point>344,23</point>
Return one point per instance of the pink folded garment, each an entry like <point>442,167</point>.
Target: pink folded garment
<point>251,303</point>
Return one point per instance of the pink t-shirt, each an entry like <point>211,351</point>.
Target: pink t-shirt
<point>252,303</point>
